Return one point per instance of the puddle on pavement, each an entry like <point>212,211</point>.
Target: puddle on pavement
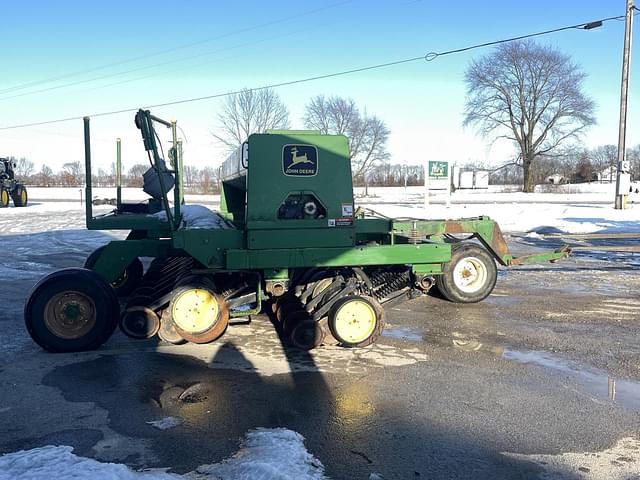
<point>598,382</point>
<point>402,334</point>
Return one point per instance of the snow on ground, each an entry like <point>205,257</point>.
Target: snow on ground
<point>528,217</point>
<point>514,211</point>
<point>129,194</point>
<point>587,212</point>
<point>265,453</point>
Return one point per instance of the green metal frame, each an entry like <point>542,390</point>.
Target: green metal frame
<point>116,221</point>
<point>272,246</point>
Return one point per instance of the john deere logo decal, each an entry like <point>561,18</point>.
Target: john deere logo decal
<point>300,160</point>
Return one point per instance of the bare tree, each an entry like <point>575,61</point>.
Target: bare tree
<point>250,111</point>
<point>72,175</point>
<point>24,168</point>
<point>135,173</point>
<point>207,180</point>
<point>368,135</point>
<point>605,158</point>
<point>633,155</point>
<point>45,176</point>
<point>530,94</point>
<point>191,173</point>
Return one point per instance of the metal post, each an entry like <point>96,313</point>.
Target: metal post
<point>118,174</point>
<point>177,189</point>
<point>181,169</point>
<point>449,172</point>
<point>426,187</point>
<point>621,196</point>
<point>87,171</point>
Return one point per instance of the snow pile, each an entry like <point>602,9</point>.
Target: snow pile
<point>50,462</point>
<point>276,453</point>
<point>196,217</point>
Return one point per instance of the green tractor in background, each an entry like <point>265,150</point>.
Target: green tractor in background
<point>10,188</point>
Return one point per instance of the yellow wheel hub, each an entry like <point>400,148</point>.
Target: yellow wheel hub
<point>23,197</point>
<point>355,321</point>
<point>195,310</point>
<point>4,199</point>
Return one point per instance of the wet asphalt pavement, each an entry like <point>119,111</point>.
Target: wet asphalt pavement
<point>549,364</point>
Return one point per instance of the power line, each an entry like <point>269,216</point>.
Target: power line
<point>146,67</point>
<point>587,25</point>
<point>428,57</point>
<point>162,52</point>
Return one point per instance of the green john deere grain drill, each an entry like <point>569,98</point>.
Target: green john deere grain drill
<point>286,236</point>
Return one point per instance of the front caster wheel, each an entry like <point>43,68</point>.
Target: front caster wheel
<point>71,310</point>
<point>470,276</point>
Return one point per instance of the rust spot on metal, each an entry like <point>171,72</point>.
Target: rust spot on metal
<point>454,227</point>
<point>498,243</point>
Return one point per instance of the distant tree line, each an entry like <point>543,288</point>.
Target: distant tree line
<point>571,165</point>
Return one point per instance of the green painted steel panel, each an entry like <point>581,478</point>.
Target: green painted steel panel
<point>118,254</point>
<point>302,238</point>
<point>335,257</point>
<point>374,225</point>
<point>272,177</point>
<point>208,246</point>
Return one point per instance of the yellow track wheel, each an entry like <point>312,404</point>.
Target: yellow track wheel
<point>356,321</point>
<point>199,315</point>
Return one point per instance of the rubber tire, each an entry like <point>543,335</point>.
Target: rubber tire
<point>16,195</point>
<point>4,197</point>
<point>459,252</point>
<point>134,273</point>
<point>376,332</point>
<point>76,279</point>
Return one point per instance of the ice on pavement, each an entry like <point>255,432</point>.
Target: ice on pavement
<point>166,423</point>
<point>265,453</point>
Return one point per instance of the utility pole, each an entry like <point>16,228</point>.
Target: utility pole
<point>623,177</point>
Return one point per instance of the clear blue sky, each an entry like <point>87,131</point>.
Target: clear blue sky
<point>253,43</point>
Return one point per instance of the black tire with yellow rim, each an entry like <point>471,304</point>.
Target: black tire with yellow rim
<point>199,314</point>
<point>4,197</point>
<point>19,196</point>
<point>356,320</point>
<point>71,310</point>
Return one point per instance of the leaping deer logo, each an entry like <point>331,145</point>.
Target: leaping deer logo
<point>298,159</point>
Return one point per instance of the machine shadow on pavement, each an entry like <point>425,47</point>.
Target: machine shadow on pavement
<point>342,417</point>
